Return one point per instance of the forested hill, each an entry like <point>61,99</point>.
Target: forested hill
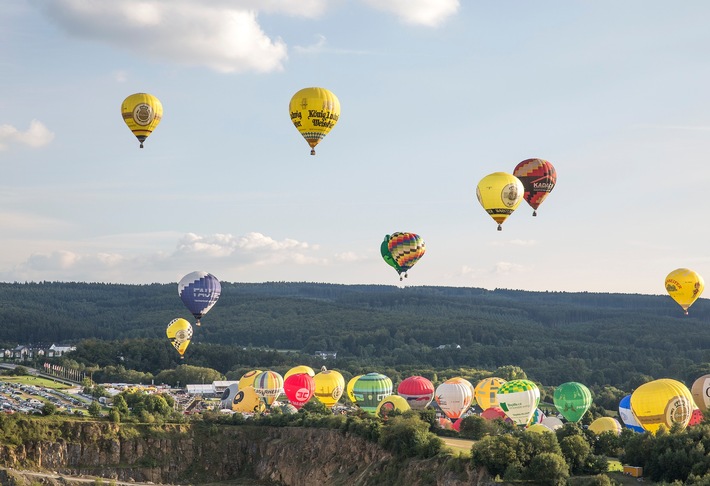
<point>554,336</point>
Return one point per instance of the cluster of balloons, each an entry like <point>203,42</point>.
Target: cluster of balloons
<point>199,292</point>
<point>313,111</point>
<point>500,193</point>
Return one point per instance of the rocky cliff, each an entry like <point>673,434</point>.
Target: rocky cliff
<point>181,454</point>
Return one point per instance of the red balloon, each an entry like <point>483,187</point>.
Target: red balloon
<point>696,417</point>
<point>495,413</point>
<point>417,390</point>
<point>299,388</point>
<point>457,425</point>
<point>538,177</point>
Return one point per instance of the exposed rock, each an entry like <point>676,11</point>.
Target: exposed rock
<point>181,454</point>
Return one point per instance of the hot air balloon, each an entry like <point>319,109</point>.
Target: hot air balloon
<point>539,428</point>
<point>500,194</point>
<point>247,378</point>
<point>572,400</point>
<point>179,332</point>
<point>494,413</point>
<point>199,292</point>
<point>684,286</point>
<point>299,388</point>
<point>300,369</point>
<point>247,401</point>
<point>142,112</point>
<point>701,392</point>
<point>268,385</point>
<point>696,417</point>
<point>519,399</point>
<point>406,250</point>
<point>370,389</point>
<point>470,386</point>
<point>553,423</point>
<point>662,403</point>
<point>454,398</point>
<point>330,385</point>
<point>627,416</point>
<point>349,388</point>
<point>417,391</point>
<point>605,424</point>
<point>228,396</point>
<point>486,390</point>
<point>538,177</point>
<point>387,256</point>
<point>314,112</point>
<point>391,403</point>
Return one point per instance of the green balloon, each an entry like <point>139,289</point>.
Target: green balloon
<point>370,389</point>
<point>387,256</point>
<point>572,400</point>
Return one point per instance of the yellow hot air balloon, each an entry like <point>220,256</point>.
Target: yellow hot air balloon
<point>486,390</point>
<point>684,286</point>
<point>500,194</point>
<point>179,332</point>
<point>539,428</point>
<point>300,369</point>
<point>349,388</point>
<point>314,112</point>
<point>330,385</point>
<point>248,378</point>
<point>662,403</point>
<point>142,112</point>
<point>247,401</point>
<point>605,424</point>
<point>392,403</point>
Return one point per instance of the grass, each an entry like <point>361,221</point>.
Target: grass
<point>461,446</point>
<point>34,380</point>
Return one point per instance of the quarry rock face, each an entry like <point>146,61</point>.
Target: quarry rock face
<point>182,454</point>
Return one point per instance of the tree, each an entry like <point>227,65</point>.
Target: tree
<point>49,408</point>
<point>575,450</point>
<point>94,409</point>
<point>549,469</point>
<point>408,436</point>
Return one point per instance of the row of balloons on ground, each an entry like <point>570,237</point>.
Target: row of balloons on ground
<point>199,291</point>
<point>314,112</point>
<point>655,404</point>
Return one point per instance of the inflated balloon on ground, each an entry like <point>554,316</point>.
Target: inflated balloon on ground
<point>572,400</point>
<point>662,403</point>
<point>417,390</point>
<point>370,389</point>
<point>519,400</point>
<point>486,390</point>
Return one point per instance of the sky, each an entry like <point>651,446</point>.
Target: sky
<point>434,94</point>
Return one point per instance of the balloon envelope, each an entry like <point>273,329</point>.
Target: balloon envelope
<point>539,428</point>
<point>418,391</point>
<point>268,385</point>
<point>300,369</point>
<point>684,286</point>
<point>349,388</point>
<point>519,399</point>
<point>500,194</point>
<point>454,398</point>
<point>553,423</point>
<point>246,400</point>
<point>330,385</point>
<point>387,256</point>
<point>199,292</point>
<point>627,416</point>
<point>572,400</point>
<point>314,112</point>
<point>538,177</point>
<point>179,332</point>
<point>701,392</point>
<point>494,413</point>
<point>370,389</point>
<point>247,378</point>
<point>391,403</point>
<point>662,403</point>
<point>406,249</point>
<point>228,396</point>
<point>486,390</point>
<point>142,112</point>
<point>605,424</point>
<point>299,388</point>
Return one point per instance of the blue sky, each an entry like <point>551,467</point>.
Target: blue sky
<point>435,94</point>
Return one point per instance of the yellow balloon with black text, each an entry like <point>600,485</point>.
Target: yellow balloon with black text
<point>684,286</point>
<point>314,112</point>
<point>500,194</point>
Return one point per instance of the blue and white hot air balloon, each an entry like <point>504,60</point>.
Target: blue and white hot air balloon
<point>199,292</point>
<point>627,416</point>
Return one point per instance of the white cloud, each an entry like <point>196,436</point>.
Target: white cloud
<point>430,13</point>
<point>349,257</point>
<point>506,268</point>
<point>37,135</point>
<point>224,36</point>
<point>14,222</point>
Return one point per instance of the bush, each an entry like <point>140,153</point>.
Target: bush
<point>409,437</point>
<point>549,469</point>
